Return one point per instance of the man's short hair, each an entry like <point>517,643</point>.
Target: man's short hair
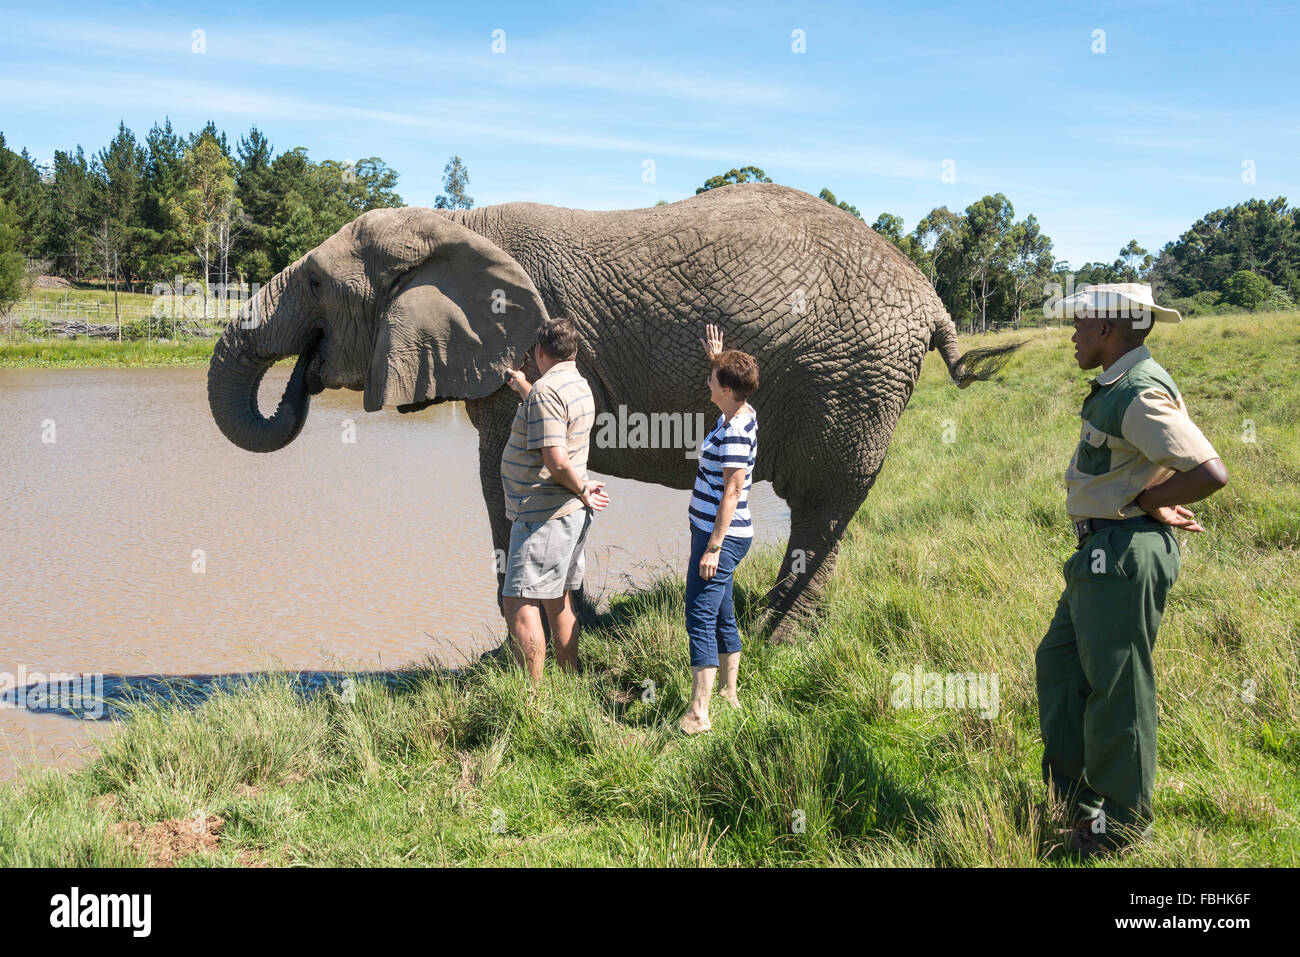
<point>737,371</point>
<point>559,337</point>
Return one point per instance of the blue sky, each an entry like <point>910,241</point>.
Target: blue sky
<point>1136,142</point>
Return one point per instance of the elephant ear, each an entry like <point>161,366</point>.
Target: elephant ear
<point>455,312</point>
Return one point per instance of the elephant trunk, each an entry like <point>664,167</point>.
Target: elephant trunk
<point>270,328</point>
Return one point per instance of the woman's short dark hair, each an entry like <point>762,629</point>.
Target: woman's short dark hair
<point>559,337</point>
<point>737,371</point>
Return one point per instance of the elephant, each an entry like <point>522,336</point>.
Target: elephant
<point>416,306</point>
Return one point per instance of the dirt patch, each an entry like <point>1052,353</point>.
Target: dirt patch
<point>52,282</point>
<point>166,841</point>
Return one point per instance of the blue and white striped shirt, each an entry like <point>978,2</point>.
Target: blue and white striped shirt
<point>731,444</point>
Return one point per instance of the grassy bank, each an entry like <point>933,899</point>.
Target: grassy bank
<point>87,302</point>
<point>88,353</point>
<point>951,566</point>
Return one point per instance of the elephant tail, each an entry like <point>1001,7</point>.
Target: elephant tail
<point>978,365</point>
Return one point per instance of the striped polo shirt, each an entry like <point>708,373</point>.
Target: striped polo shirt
<point>731,444</point>
<point>1135,433</point>
<point>558,411</point>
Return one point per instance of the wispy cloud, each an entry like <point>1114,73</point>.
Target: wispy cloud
<point>484,118</point>
<point>533,66</point>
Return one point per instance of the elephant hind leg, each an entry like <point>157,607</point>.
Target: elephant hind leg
<point>810,555</point>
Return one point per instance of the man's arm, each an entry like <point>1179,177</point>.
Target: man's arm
<point>1184,488</point>
<point>1164,502</point>
<point>548,431</point>
<point>1159,428</point>
<point>556,460</point>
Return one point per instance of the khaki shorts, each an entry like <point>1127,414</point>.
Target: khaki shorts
<point>546,557</point>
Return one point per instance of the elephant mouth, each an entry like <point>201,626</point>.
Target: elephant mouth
<point>313,356</point>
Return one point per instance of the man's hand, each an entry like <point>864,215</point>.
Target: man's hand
<point>709,564</point>
<point>594,496</point>
<point>1165,502</point>
<point>518,383</point>
<point>712,341</point>
<point>1177,516</point>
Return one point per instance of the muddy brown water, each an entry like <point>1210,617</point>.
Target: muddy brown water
<point>329,555</point>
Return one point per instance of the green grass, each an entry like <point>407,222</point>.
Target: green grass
<point>85,353</point>
<point>89,293</point>
<point>953,565</point>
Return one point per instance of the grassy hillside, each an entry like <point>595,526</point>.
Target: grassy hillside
<point>953,565</point>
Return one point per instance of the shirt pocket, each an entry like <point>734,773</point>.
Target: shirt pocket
<point>1093,456</point>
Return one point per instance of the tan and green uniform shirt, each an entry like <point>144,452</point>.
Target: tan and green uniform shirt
<point>558,411</point>
<point>1136,433</point>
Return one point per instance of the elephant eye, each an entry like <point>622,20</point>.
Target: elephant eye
<point>315,284</point>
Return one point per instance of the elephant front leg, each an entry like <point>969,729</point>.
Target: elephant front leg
<point>810,555</point>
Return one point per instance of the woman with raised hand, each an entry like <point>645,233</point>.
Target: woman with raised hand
<point>721,529</point>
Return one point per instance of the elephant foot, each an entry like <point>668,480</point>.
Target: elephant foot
<point>783,632</point>
<point>776,626</point>
<point>785,625</point>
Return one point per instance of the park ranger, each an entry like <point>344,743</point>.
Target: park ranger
<point>1140,460</point>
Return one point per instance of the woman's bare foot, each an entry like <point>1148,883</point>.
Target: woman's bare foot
<point>730,697</point>
<point>693,723</point>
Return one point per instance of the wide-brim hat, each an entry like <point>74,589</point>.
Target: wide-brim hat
<point>1116,300</point>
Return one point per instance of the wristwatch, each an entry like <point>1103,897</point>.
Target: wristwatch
<point>713,548</point>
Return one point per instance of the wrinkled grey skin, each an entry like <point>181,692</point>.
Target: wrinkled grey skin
<point>399,304</point>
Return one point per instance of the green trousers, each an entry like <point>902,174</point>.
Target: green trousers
<point>1096,683</point>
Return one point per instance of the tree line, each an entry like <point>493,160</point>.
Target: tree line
<point>174,204</point>
<point>191,205</point>
<point>991,269</point>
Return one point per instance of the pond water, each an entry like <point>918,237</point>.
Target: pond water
<point>140,542</point>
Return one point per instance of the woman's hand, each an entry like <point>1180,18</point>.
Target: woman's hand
<point>712,341</point>
<point>709,564</point>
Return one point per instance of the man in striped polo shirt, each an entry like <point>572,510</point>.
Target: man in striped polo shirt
<point>548,500</point>
<point>1140,460</point>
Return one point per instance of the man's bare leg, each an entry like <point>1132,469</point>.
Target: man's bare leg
<point>524,618</point>
<point>564,630</point>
